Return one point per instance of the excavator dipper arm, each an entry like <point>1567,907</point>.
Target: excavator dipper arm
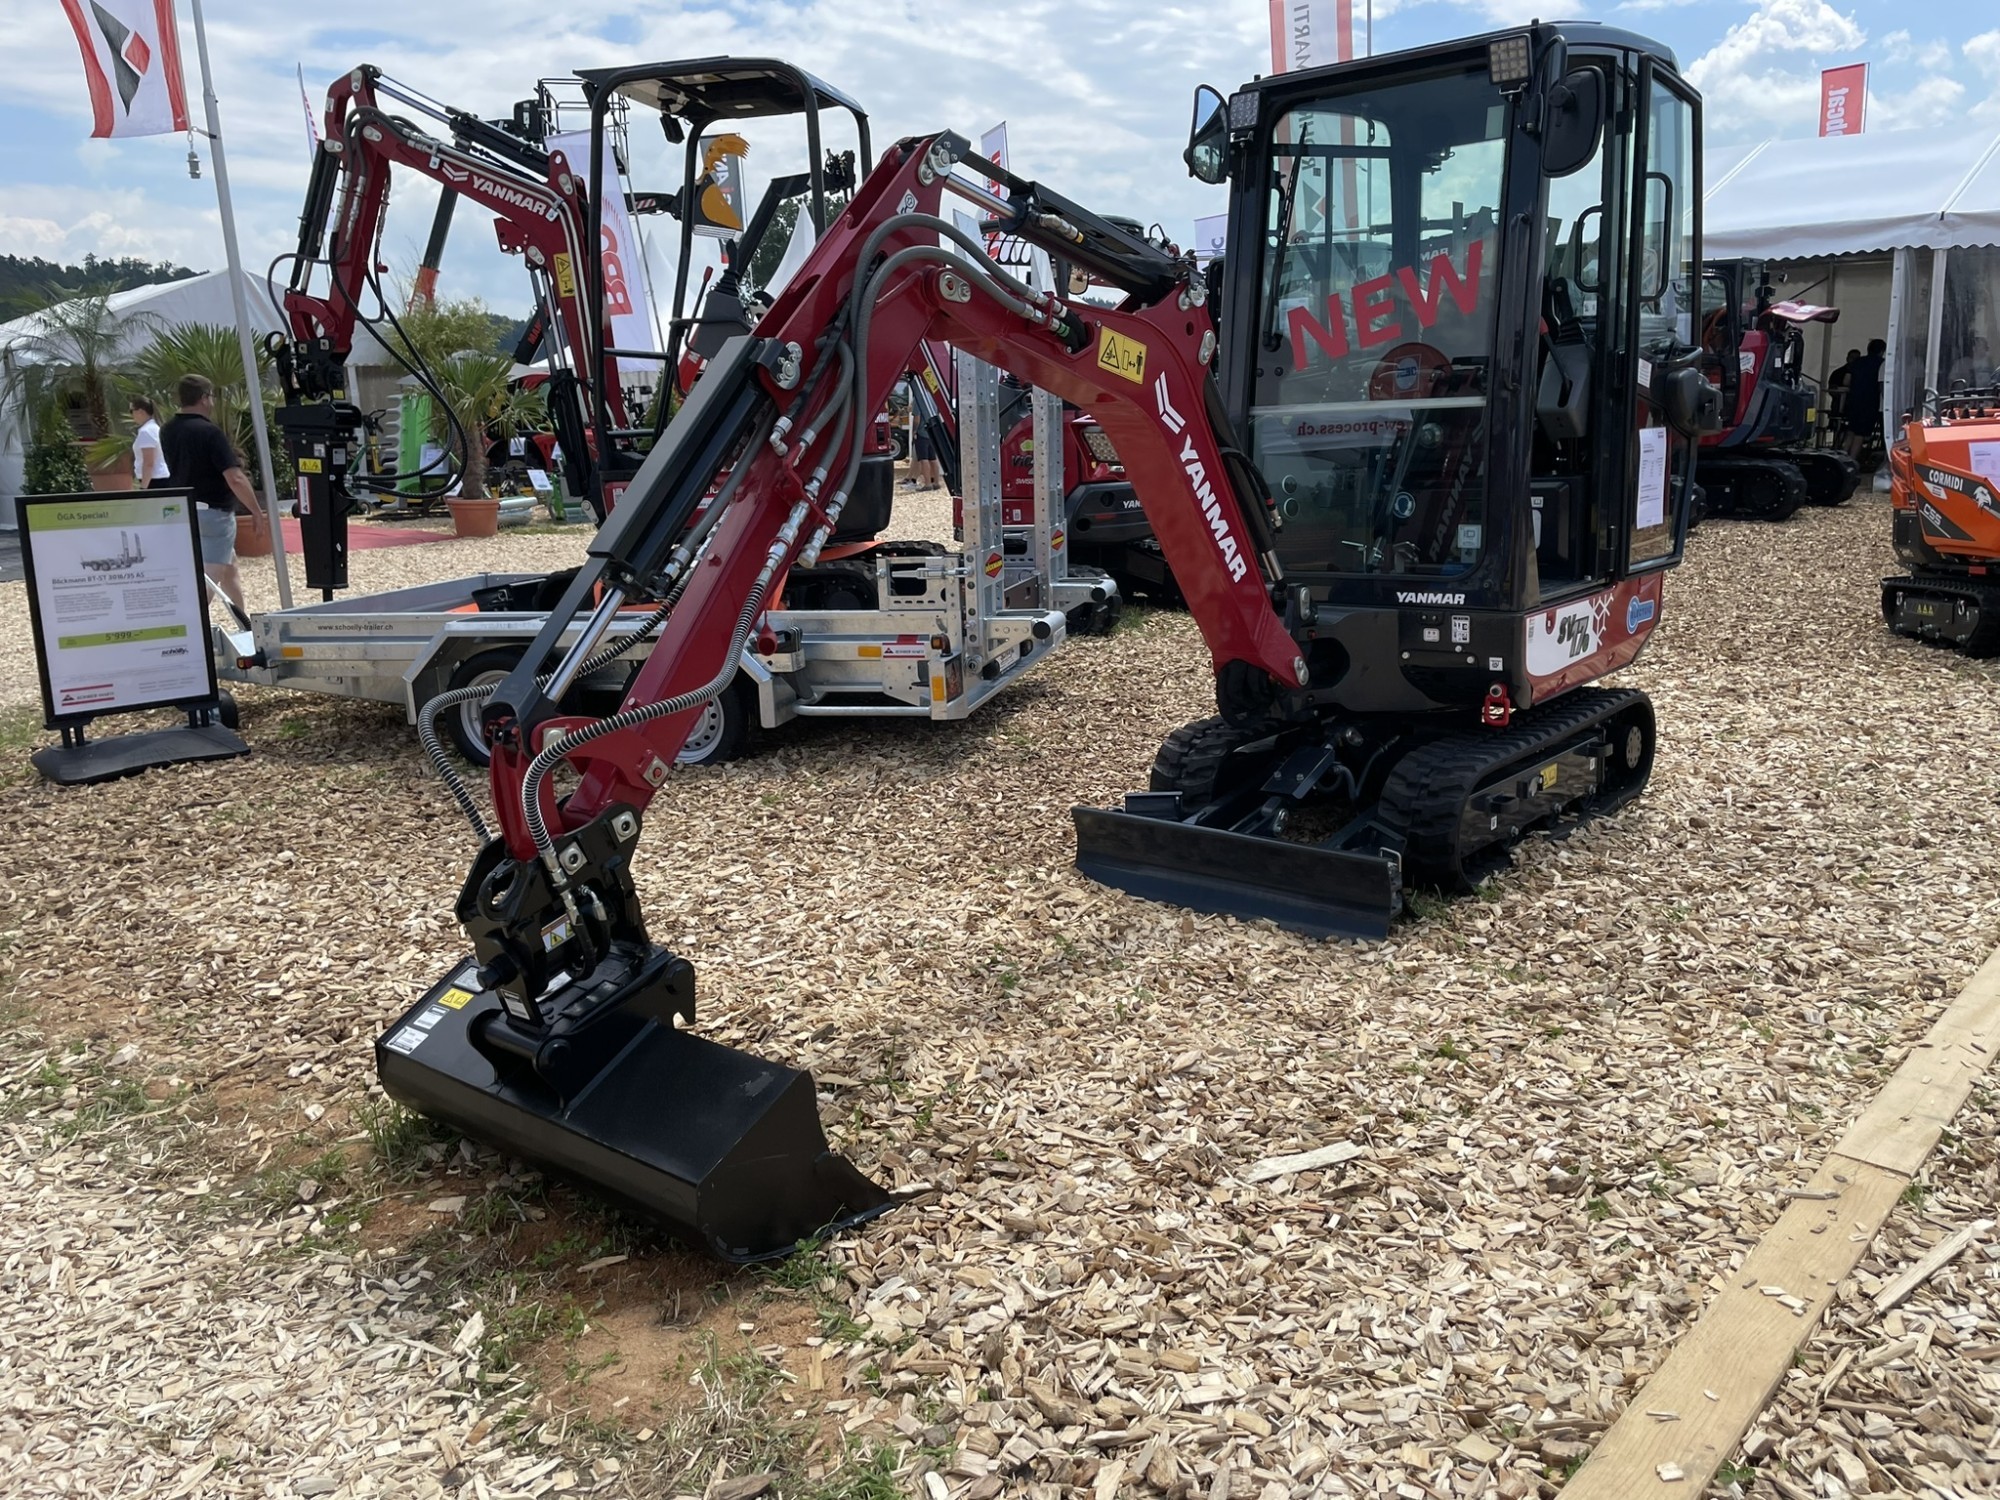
<point>561,1044</point>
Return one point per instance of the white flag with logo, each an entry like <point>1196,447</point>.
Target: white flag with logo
<point>626,299</point>
<point>132,63</point>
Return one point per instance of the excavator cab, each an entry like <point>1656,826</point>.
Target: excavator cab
<point>1458,315</point>
<point>698,107</point>
<point>1459,295</point>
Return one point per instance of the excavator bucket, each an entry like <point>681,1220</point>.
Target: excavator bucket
<point>1316,889</point>
<point>723,1150</point>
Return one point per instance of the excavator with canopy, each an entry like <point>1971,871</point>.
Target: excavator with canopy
<point>1420,482</point>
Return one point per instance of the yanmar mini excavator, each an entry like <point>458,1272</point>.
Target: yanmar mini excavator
<point>1428,499</point>
<point>1759,466</point>
<point>1944,485</point>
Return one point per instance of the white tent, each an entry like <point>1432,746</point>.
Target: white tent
<point>1848,195</point>
<point>196,299</point>
<point>1926,202</point>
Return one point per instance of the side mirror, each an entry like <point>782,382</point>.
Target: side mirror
<point>1689,403</point>
<point>1207,154</point>
<point>1575,121</point>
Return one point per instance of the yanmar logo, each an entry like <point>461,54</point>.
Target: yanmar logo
<point>1407,596</point>
<point>1204,493</point>
<point>493,188</point>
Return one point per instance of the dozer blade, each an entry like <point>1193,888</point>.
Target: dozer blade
<point>1308,888</point>
<point>720,1148</point>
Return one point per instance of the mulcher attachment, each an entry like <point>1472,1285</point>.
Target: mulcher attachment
<point>722,1149</point>
<point>1446,813</point>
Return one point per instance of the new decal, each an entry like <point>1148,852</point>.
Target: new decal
<point>1373,311</point>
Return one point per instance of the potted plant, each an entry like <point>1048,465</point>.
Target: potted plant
<point>479,403</point>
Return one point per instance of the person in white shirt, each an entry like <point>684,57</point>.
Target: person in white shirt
<point>149,464</point>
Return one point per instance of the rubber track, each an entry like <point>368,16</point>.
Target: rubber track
<point>1191,758</point>
<point>1727,479</point>
<point>1838,475</point>
<point>1985,638</point>
<point>1427,789</point>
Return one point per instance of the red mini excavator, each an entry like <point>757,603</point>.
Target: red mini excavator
<point>1759,466</point>
<point>1420,495</point>
<point>1944,483</point>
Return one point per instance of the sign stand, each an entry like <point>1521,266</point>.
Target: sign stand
<point>119,608</point>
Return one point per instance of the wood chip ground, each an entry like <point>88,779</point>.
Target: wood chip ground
<point>1578,1097</point>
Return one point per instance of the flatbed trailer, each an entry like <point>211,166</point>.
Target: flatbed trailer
<point>953,626</point>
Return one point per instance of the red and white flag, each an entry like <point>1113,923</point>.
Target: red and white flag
<point>1843,99</point>
<point>132,61</point>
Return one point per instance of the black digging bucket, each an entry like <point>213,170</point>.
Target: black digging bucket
<point>723,1150</point>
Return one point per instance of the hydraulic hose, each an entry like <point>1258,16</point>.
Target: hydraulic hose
<point>678,570</point>
<point>559,748</point>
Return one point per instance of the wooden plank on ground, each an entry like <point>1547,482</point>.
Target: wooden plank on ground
<point>1720,1376</point>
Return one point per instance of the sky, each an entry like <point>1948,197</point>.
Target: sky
<point>1095,93</point>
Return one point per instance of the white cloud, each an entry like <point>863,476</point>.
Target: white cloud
<point>1763,75</point>
<point>1095,93</point>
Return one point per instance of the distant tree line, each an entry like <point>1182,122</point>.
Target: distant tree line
<point>28,283</point>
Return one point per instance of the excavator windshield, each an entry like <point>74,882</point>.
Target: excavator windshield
<point>1368,406</point>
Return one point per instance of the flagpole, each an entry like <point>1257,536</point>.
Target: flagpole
<point>242,304</point>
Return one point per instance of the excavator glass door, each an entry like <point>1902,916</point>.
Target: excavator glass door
<point>1375,330</point>
<point>1609,474</point>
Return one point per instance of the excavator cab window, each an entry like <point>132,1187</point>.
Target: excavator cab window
<point>1368,410</point>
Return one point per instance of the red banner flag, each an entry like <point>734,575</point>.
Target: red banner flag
<point>1843,99</point>
<point>132,62</point>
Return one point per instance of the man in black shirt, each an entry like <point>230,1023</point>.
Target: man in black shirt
<point>1864,397</point>
<point>201,460</point>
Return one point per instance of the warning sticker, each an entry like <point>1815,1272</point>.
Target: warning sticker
<point>565,276</point>
<point>1123,357</point>
<point>455,998</point>
<point>1056,539</point>
<point>406,1039</point>
<point>905,651</point>
<point>310,466</point>
<point>993,565</point>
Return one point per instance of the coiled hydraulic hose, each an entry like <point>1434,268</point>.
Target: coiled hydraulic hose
<point>561,746</point>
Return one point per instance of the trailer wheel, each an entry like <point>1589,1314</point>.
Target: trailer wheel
<point>718,735</point>
<point>488,668</point>
<point>721,730</point>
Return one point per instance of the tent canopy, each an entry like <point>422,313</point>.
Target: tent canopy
<point>1847,195</point>
<point>195,299</point>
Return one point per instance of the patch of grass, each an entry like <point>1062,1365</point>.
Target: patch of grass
<point>868,1473</point>
<point>1598,1209</point>
<point>293,729</point>
<point>1915,1195</point>
<point>1734,1473</point>
<point>403,1142</point>
<point>1450,1051</point>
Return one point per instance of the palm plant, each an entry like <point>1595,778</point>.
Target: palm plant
<point>477,391</point>
<point>82,341</point>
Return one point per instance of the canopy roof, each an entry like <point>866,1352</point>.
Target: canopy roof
<point>1846,195</point>
<point>193,299</point>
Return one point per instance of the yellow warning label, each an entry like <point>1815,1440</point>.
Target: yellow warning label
<point>455,998</point>
<point>1121,356</point>
<point>565,276</point>
<point>1549,776</point>
<point>310,466</point>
